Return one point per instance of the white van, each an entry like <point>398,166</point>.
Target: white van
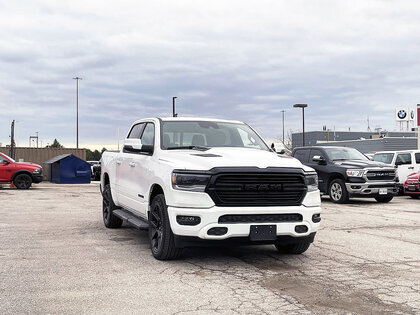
<point>407,162</point>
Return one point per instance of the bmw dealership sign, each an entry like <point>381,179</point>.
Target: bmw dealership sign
<point>402,114</point>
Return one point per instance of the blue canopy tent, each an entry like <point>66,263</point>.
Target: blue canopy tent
<point>69,169</point>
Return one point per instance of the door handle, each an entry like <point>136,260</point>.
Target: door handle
<point>411,168</point>
<point>132,164</point>
<point>118,162</point>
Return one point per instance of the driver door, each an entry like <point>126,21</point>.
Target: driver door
<point>321,169</point>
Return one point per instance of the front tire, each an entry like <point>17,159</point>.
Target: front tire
<point>108,206</point>
<point>162,240</point>
<point>22,181</point>
<point>338,191</point>
<point>384,199</point>
<point>294,249</point>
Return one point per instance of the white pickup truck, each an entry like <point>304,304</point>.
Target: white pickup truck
<point>197,181</point>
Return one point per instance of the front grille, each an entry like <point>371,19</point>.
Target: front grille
<point>381,175</point>
<point>257,189</point>
<point>261,218</point>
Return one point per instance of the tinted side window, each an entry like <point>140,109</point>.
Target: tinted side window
<point>136,131</point>
<point>302,155</point>
<point>313,153</point>
<point>417,155</point>
<point>148,136</point>
<point>404,158</point>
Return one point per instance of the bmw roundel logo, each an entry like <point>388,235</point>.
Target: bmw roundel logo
<point>402,114</point>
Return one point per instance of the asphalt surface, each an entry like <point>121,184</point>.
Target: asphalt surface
<point>56,256</point>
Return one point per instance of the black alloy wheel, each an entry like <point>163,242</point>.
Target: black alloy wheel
<point>22,181</point>
<point>162,240</point>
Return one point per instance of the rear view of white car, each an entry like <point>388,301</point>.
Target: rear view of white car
<point>194,181</point>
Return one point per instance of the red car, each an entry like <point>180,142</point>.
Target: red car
<point>412,185</point>
<point>21,174</point>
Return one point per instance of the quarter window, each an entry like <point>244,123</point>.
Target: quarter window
<point>404,158</point>
<point>148,136</point>
<point>302,155</point>
<point>417,155</point>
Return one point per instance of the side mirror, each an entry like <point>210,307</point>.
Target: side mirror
<point>282,151</point>
<point>319,159</point>
<point>6,162</point>
<point>132,145</point>
<point>135,146</point>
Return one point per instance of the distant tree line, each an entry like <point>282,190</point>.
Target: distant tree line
<point>90,155</point>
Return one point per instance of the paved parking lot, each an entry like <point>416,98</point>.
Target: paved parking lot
<point>57,257</point>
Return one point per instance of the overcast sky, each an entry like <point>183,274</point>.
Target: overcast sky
<point>244,60</point>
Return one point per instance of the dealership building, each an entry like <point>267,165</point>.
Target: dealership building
<point>365,142</point>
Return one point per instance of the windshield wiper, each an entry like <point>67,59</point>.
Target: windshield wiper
<point>189,147</point>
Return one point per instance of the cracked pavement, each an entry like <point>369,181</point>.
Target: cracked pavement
<point>57,257</point>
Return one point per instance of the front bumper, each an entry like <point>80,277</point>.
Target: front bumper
<point>412,189</point>
<point>209,219</point>
<point>371,189</point>
<point>37,178</point>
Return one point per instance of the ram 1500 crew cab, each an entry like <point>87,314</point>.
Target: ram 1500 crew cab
<point>194,181</point>
<point>21,174</point>
<point>346,172</point>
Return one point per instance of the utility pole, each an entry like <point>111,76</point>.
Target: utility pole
<point>174,114</point>
<point>77,110</point>
<point>282,113</point>
<point>12,140</point>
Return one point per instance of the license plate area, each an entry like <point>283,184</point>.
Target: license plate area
<point>411,187</point>
<point>263,232</point>
<point>383,191</point>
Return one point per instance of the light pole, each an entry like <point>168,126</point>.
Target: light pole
<point>77,110</point>
<point>282,114</point>
<point>173,106</point>
<point>303,120</point>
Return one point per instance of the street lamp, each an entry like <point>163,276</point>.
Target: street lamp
<point>174,114</point>
<point>303,120</point>
<point>77,110</point>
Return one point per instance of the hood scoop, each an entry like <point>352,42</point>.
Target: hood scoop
<point>207,155</point>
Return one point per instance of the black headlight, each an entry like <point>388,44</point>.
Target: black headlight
<point>311,180</point>
<point>190,182</point>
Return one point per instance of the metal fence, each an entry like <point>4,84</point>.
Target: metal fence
<point>40,155</point>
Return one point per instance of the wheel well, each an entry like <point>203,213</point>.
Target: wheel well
<point>106,179</point>
<point>332,177</point>
<point>21,172</point>
<point>156,190</point>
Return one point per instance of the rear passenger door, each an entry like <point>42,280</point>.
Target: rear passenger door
<point>405,167</point>
<point>124,171</point>
<point>142,172</point>
<point>321,169</point>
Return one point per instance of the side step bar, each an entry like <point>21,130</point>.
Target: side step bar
<point>131,219</point>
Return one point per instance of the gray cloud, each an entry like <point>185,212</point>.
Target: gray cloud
<point>243,60</point>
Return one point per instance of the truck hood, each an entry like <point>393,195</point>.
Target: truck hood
<point>228,157</point>
<point>27,165</point>
<point>361,164</point>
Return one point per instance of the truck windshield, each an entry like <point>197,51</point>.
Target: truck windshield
<point>383,157</point>
<point>4,157</point>
<point>336,154</point>
<point>208,134</point>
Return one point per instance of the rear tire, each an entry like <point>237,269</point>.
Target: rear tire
<point>294,249</point>
<point>384,199</point>
<point>108,206</point>
<point>22,181</point>
<point>162,240</point>
<point>338,191</point>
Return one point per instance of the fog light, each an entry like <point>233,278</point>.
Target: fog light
<point>217,231</point>
<point>316,218</point>
<point>301,229</point>
<point>188,220</point>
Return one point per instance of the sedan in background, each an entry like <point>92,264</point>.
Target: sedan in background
<point>412,185</point>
